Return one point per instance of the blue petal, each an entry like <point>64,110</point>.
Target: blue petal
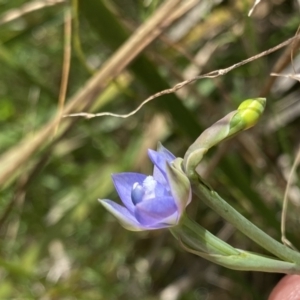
<point>128,221</point>
<point>164,223</point>
<point>159,176</point>
<point>161,190</point>
<point>168,155</point>
<point>123,215</point>
<point>159,159</point>
<point>123,183</point>
<point>155,211</point>
<point>171,220</point>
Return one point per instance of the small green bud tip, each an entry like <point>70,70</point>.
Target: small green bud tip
<point>246,116</point>
<point>250,111</point>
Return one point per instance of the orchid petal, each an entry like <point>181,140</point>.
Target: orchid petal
<point>152,202</point>
<point>123,183</point>
<point>153,211</point>
<point>166,153</point>
<point>124,216</point>
<point>170,220</point>
<point>165,223</point>
<point>158,174</point>
<point>159,160</point>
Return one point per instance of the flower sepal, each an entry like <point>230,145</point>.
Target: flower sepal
<point>179,184</point>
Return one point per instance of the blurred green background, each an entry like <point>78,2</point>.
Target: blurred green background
<point>57,242</point>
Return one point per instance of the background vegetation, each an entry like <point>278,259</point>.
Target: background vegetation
<point>57,242</point>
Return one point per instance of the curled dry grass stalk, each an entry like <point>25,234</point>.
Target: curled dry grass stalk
<point>66,65</point>
<point>178,86</point>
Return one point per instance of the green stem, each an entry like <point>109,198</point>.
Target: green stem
<point>199,241</point>
<point>221,207</point>
<point>191,233</point>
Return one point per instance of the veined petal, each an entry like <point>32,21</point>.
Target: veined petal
<point>123,183</point>
<point>180,186</point>
<point>124,216</point>
<point>154,211</point>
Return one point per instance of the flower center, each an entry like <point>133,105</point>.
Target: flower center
<point>143,191</point>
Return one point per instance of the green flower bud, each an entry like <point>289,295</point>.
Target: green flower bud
<point>246,116</point>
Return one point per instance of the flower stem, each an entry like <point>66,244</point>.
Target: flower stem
<point>193,235</point>
<point>221,207</point>
<point>199,241</point>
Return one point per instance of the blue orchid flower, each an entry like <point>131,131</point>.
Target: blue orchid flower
<point>152,202</point>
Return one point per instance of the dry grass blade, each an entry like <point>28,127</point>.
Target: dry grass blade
<point>292,76</point>
<point>253,7</point>
<point>66,65</point>
<point>293,169</point>
<point>182,9</point>
<point>286,200</point>
<point>14,14</point>
<point>284,60</point>
<point>281,63</point>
